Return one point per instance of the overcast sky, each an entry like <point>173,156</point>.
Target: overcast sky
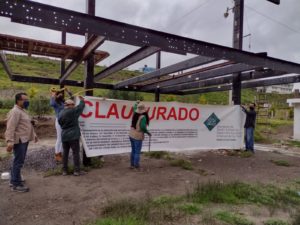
<point>274,29</point>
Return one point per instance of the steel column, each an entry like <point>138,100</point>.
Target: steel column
<point>158,65</point>
<point>237,44</point>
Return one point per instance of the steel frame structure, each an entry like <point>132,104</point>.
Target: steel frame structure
<point>253,67</point>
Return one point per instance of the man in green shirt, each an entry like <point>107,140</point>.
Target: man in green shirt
<point>68,120</point>
<point>139,123</point>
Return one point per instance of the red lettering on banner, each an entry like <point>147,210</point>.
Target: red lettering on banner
<point>123,112</point>
<point>98,111</point>
<point>181,116</point>
<point>89,114</point>
<point>172,114</point>
<point>113,111</point>
<point>153,114</point>
<point>197,116</point>
<point>161,112</point>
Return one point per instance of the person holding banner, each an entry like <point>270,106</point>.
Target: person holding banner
<point>57,103</point>
<point>139,123</point>
<point>68,120</point>
<point>249,127</point>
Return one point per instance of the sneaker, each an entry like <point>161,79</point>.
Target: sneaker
<point>11,185</point>
<point>20,189</point>
<point>79,173</point>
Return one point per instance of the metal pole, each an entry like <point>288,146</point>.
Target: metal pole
<point>158,66</point>
<point>88,71</point>
<point>62,61</point>
<point>238,44</point>
<point>89,63</point>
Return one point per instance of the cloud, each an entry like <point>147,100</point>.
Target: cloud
<point>268,24</point>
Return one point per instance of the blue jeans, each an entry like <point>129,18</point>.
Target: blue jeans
<point>249,138</point>
<point>136,147</point>
<point>20,151</point>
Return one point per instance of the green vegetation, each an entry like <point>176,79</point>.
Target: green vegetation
<point>293,143</point>
<point>190,208</point>
<point>276,222</point>
<point>242,154</point>
<point>280,163</point>
<point>175,209</point>
<point>232,218</point>
<point>184,164</point>
<point>158,155</point>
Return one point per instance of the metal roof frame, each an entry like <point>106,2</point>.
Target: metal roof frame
<point>149,42</point>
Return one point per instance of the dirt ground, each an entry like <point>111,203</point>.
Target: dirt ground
<point>72,200</point>
<point>58,200</point>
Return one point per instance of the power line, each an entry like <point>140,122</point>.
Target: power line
<point>274,20</point>
<point>190,12</point>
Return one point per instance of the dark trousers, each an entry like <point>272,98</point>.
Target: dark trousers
<point>20,151</point>
<point>249,138</point>
<point>74,145</point>
<point>136,147</point>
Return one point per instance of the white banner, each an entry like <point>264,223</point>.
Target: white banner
<point>174,126</point>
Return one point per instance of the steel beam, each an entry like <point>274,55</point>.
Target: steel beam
<point>93,43</point>
<point>222,80</point>
<point>5,64</point>
<point>41,15</point>
<point>187,64</point>
<point>200,76</point>
<point>249,84</point>
<point>54,81</point>
<point>127,61</point>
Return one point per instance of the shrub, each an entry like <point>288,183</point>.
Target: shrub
<point>40,106</point>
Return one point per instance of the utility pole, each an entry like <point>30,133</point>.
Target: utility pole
<point>238,21</point>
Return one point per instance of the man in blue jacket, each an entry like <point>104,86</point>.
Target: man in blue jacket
<point>249,126</point>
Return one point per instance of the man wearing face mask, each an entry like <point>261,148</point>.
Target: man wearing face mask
<point>19,132</point>
<point>249,126</point>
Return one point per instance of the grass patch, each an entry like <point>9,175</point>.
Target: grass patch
<point>145,211</point>
<point>293,143</point>
<point>173,209</point>
<point>158,155</point>
<point>5,155</point>
<point>276,222</point>
<point>241,193</point>
<point>184,164</point>
<point>119,221</point>
<point>281,163</point>
<point>233,219</point>
<point>190,208</point>
<point>296,220</point>
<point>242,154</point>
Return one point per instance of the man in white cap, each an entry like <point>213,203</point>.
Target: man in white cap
<point>68,120</point>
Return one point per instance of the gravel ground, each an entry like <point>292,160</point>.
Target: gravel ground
<point>41,159</point>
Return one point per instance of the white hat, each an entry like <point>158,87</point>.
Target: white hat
<point>69,102</point>
<point>141,108</point>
